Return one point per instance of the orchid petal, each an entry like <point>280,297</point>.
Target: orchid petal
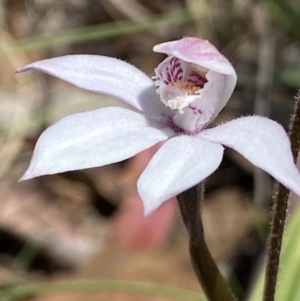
<point>105,75</point>
<point>204,59</point>
<point>198,51</point>
<point>179,164</point>
<point>261,141</point>
<point>91,139</point>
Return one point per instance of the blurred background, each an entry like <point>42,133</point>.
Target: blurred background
<point>89,225</point>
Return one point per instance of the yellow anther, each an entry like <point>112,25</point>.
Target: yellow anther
<point>188,87</point>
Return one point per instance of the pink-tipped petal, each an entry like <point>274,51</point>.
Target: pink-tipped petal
<point>206,60</point>
<point>261,141</point>
<point>91,139</point>
<point>105,75</point>
<point>198,51</point>
<point>179,164</point>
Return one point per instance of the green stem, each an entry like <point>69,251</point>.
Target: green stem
<point>29,290</point>
<point>280,213</point>
<point>208,274</point>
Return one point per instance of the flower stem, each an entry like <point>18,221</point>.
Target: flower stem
<point>280,213</point>
<point>208,274</point>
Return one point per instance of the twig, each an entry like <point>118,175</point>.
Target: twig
<point>280,212</point>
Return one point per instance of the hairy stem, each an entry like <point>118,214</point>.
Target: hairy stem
<point>208,274</point>
<point>280,212</point>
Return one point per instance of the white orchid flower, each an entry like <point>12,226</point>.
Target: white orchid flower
<point>193,84</point>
